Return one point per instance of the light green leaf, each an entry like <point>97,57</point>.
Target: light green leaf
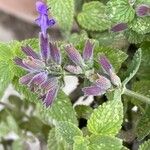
<point>80,143</point>
<point>53,143</point>
<point>93,17</point>
<point>143,125</point>
<point>63,12</point>
<point>120,11</point>
<point>141,25</point>
<point>68,131</point>
<point>145,145</point>
<point>133,67</point>
<point>58,111</point>
<point>105,143</point>
<point>107,118</point>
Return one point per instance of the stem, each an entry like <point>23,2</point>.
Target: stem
<point>137,96</point>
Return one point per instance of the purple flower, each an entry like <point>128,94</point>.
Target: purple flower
<point>102,84</point>
<point>119,27</point>
<point>43,70</point>
<point>81,62</point>
<point>143,10</point>
<point>43,20</point>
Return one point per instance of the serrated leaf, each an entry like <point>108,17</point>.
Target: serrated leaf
<point>93,17</point>
<point>53,143</point>
<point>80,143</point>
<point>68,131</point>
<point>115,56</point>
<point>59,110</point>
<point>133,67</point>
<point>143,125</point>
<point>134,37</point>
<point>107,118</point>
<point>105,143</point>
<point>145,145</point>
<point>120,11</point>
<point>141,25</point>
<point>63,12</point>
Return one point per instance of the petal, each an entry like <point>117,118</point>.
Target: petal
<point>105,64</point>
<point>51,22</point>
<point>26,79</point>
<point>34,64</point>
<point>29,52</point>
<point>103,82</point>
<point>119,27</point>
<point>93,90</point>
<point>18,61</point>
<point>74,55</point>
<point>51,95</point>
<point>44,44</point>
<point>48,84</point>
<point>115,79</point>
<point>55,53</point>
<point>41,7</point>
<point>38,79</point>
<point>74,69</point>
<point>88,51</point>
<point>143,10</point>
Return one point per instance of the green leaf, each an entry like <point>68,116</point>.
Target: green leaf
<point>59,110</point>
<point>144,70</point>
<point>107,118</point>
<point>115,56</point>
<point>68,131</point>
<point>18,145</point>
<point>80,143</point>
<point>63,12</point>
<point>133,67</point>
<point>54,143</point>
<point>93,17</point>
<point>105,143</point>
<point>134,37</point>
<point>141,25</point>
<point>83,111</point>
<point>145,145</point>
<point>143,125</point>
<point>120,11</point>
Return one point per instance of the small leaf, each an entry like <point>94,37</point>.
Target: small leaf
<point>134,67</point>
<point>63,12</point>
<point>68,131</point>
<point>107,118</point>
<point>120,11</point>
<point>104,143</point>
<point>80,143</point>
<point>93,17</point>
<point>58,111</point>
<point>145,145</point>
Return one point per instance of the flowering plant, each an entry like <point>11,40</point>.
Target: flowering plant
<point>118,116</point>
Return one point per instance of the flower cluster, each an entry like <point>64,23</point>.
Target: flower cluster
<point>45,69</point>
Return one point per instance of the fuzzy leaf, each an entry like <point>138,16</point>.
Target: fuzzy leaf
<point>141,25</point>
<point>68,131</point>
<point>145,145</point>
<point>105,143</point>
<point>93,17</point>
<point>107,118</point>
<point>63,12</point>
<point>134,66</point>
<point>120,11</point>
<point>58,111</point>
<point>54,143</point>
<point>80,143</point>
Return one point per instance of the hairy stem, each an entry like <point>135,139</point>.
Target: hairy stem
<point>138,96</point>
